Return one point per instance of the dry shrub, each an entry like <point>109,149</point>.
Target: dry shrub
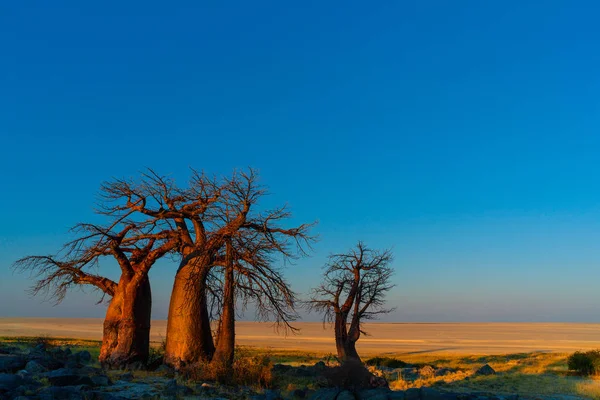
<point>245,371</point>
<point>253,371</point>
<point>157,353</point>
<point>586,364</point>
<point>353,375</point>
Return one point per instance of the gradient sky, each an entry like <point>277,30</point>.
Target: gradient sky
<point>464,134</point>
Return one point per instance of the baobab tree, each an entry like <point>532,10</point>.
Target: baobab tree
<point>353,290</point>
<point>210,216</point>
<point>250,276</point>
<point>136,246</point>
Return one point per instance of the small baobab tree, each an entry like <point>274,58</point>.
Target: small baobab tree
<point>136,246</point>
<point>353,290</point>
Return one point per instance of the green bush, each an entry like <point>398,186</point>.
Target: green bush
<point>587,363</point>
<point>386,362</point>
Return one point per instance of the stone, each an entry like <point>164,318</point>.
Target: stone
<point>63,393</point>
<point>430,394</point>
<point>97,395</point>
<point>35,367</point>
<point>9,382</point>
<point>299,393</point>
<point>50,363</point>
<point>271,394</point>
<point>128,376</point>
<point>320,366</point>
<point>485,370</point>
<point>412,394</point>
<point>325,394</point>
<point>68,377</point>
<point>345,395</point>
<point>136,390</point>
<point>374,394</point>
<point>397,395</point>
<point>101,380</point>
<point>24,374</point>
<point>82,356</point>
<point>12,363</point>
<point>171,387</point>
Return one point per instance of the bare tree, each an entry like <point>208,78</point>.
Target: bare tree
<point>353,290</point>
<point>136,247</point>
<point>210,216</point>
<point>252,279</point>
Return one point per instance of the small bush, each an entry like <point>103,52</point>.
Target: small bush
<point>353,375</point>
<point>157,354</point>
<point>245,371</point>
<point>386,362</point>
<point>585,363</point>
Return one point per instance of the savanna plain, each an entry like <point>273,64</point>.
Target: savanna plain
<point>529,359</point>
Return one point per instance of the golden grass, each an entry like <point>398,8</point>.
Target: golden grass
<point>523,373</point>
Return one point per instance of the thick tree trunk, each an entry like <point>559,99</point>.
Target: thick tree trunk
<point>341,336</point>
<point>345,342</point>
<point>134,328</point>
<point>189,336</point>
<point>226,340</point>
<point>110,333</point>
<point>350,351</point>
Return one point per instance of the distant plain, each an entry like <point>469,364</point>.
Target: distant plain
<point>383,338</point>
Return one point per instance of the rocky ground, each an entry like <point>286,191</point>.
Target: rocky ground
<point>60,373</point>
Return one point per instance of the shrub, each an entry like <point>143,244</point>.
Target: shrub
<point>353,375</point>
<point>245,371</point>
<point>585,363</point>
<point>386,362</point>
<point>157,354</point>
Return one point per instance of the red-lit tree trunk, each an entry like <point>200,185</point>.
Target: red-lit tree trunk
<point>345,340</point>
<point>226,335</point>
<point>189,337</point>
<point>126,337</point>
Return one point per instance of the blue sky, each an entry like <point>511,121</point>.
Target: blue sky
<point>462,134</point>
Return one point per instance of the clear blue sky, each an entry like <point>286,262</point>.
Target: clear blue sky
<point>465,135</point>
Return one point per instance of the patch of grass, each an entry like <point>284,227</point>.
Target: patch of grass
<point>247,370</point>
<point>26,342</point>
<point>527,374</point>
<point>289,357</point>
<point>386,362</point>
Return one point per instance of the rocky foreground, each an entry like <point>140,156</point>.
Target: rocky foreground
<point>59,373</point>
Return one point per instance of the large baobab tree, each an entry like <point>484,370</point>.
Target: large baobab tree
<point>353,290</point>
<point>219,226</point>
<point>136,246</point>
